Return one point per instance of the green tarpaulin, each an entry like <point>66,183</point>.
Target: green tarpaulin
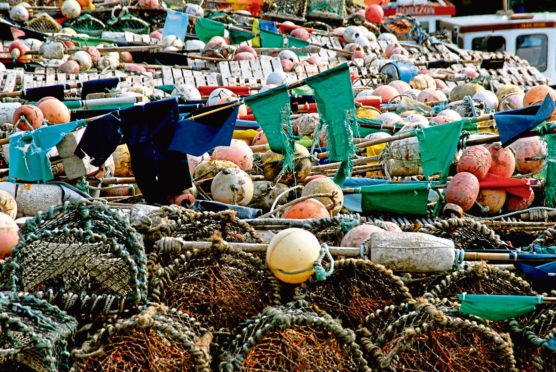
<point>335,102</point>
<point>402,198</point>
<point>497,307</point>
<point>550,172</point>
<point>438,145</point>
<point>207,28</point>
<point>294,42</point>
<point>272,111</point>
<point>271,39</point>
<point>238,36</point>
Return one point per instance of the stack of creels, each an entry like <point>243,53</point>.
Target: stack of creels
<point>356,289</point>
<point>419,336</point>
<point>34,334</point>
<point>84,249</point>
<point>293,338</point>
<point>157,339</point>
<point>219,286</point>
<point>178,222</point>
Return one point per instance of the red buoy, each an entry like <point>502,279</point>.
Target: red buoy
<point>310,208</point>
<point>516,203</point>
<point>462,190</point>
<point>374,14</point>
<point>476,160</point>
<point>529,154</point>
<point>503,160</point>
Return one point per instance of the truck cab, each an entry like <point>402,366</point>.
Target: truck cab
<point>529,36</point>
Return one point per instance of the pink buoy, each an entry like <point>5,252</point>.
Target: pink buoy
<point>374,14</point>
<point>301,33</point>
<point>530,153</point>
<point>248,49</point>
<point>287,65</point>
<point>476,160</point>
<point>400,85</point>
<point>244,56</point>
<point>386,92</point>
<point>462,190</point>
<point>358,235</point>
<point>238,152</point>
<point>503,160</point>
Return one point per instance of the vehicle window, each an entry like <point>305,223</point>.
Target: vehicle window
<point>534,49</point>
<point>489,44</point>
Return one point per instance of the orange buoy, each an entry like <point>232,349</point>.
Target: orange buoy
<point>358,234</point>
<point>503,160</point>
<point>516,203</point>
<point>374,14</point>
<point>326,186</point>
<point>259,139</point>
<point>493,199</point>
<point>9,236</point>
<point>462,190</point>
<point>54,110</point>
<point>28,117</point>
<point>476,160</point>
<point>530,153</point>
<point>537,94</point>
<point>300,33</point>
<point>310,208</point>
<point>238,152</point>
<point>386,92</point>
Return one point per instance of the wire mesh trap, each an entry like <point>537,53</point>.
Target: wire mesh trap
<point>33,334</point>
<point>219,286</point>
<point>157,339</point>
<point>187,224</point>
<point>356,289</point>
<point>79,248</point>
<point>418,336</point>
<point>293,338</point>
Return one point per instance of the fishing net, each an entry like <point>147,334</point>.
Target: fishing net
<point>219,286</point>
<point>178,222</point>
<point>285,10</point>
<point>44,23</point>
<point>87,24</point>
<point>467,234</point>
<point>332,230</point>
<point>419,336</point>
<point>356,289</point>
<point>33,334</point>
<point>293,338</point>
<point>326,9</point>
<point>129,23</point>
<point>157,339</point>
<point>79,248</point>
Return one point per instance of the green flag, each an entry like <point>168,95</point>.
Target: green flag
<point>336,105</point>
<point>207,28</point>
<point>497,307</point>
<point>238,36</point>
<point>271,39</point>
<point>550,171</point>
<point>402,198</point>
<point>438,145</point>
<point>294,42</point>
<point>272,111</point>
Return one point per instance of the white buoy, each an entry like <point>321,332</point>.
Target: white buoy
<point>232,186</point>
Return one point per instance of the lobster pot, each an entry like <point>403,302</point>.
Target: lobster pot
<point>411,252</point>
<point>355,289</point>
<point>157,339</point>
<point>293,338</point>
<point>7,111</point>
<point>219,286</point>
<point>80,248</point>
<point>34,334</point>
<point>422,337</point>
<point>402,158</point>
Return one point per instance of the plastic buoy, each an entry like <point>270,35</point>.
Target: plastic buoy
<point>386,92</point>
<point>512,101</point>
<point>374,14</point>
<point>209,168</point>
<point>516,203</point>
<point>232,186</point>
<point>238,152</point>
<point>291,254</point>
<point>70,9</point>
<point>8,204</point>
<point>476,160</point>
<point>54,110</point>
<point>83,59</point>
<point>358,234</point>
<point>28,117</point>
<point>537,94</point>
<point>503,160</point>
<point>69,67</point>
<point>8,235</point>
<point>310,208</point>
<point>326,186</point>
<point>301,33</point>
<point>400,85</point>
<point>507,89</point>
<point>530,153</point>
<point>493,199</point>
<point>265,193</point>
<point>422,82</point>
<point>272,166</point>
<point>462,190</point>
<point>469,89</point>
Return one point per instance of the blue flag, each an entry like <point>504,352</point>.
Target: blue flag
<point>546,272</point>
<point>511,124</point>
<point>197,136</point>
<point>176,24</point>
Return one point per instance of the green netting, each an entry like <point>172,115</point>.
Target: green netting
<point>207,28</point>
<point>409,198</point>
<point>438,145</point>
<point>550,172</point>
<point>271,40</point>
<point>294,42</point>
<point>497,307</point>
<point>336,105</point>
<point>272,111</point>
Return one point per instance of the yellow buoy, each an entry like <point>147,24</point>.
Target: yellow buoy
<point>8,204</point>
<point>291,255</point>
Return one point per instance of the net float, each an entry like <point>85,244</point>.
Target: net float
<point>462,190</point>
<point>503,160</point>
<point>516,203</point>
<point>83,59</point>
<point>326,186</point>
<point>265,193</point>
<point>287,65</point>
<point>54,110</point>
<point>487,97</point>
<point>238,152</point>
<point>374,14</point>
<point>70,9</point>
<point>469,89</point>
<point>493,199</point>
<point>358,235</point>
<point>530,154</point>
<point>512,101</point>
<point>306,125</point>
<point>310,208</point>
<point>476,160</point>
<point>431,95</point>
<point>148,4</point>
<point>301,33</point>
<point>351,33</point>
<point>9,236</point>
<point>507,89</point>
<point>232,186</point>
<point>288,55</point>
<point>69,67</point>
<point>386,92</point>
<point>248,49</point>
<point>422,82</point>
<point>94,53</point>
<point>18,48</point>
<point>19,13</point>
<point>217,94</point>
<point>27,115</point>
<point>536,95</point>
<point>244,56</point>
<point>8,205</point>
<point>209,168</point>
<point>273,162</point>
<point>452,114</point>
<point>400,85</point>
<point>291,254</point>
